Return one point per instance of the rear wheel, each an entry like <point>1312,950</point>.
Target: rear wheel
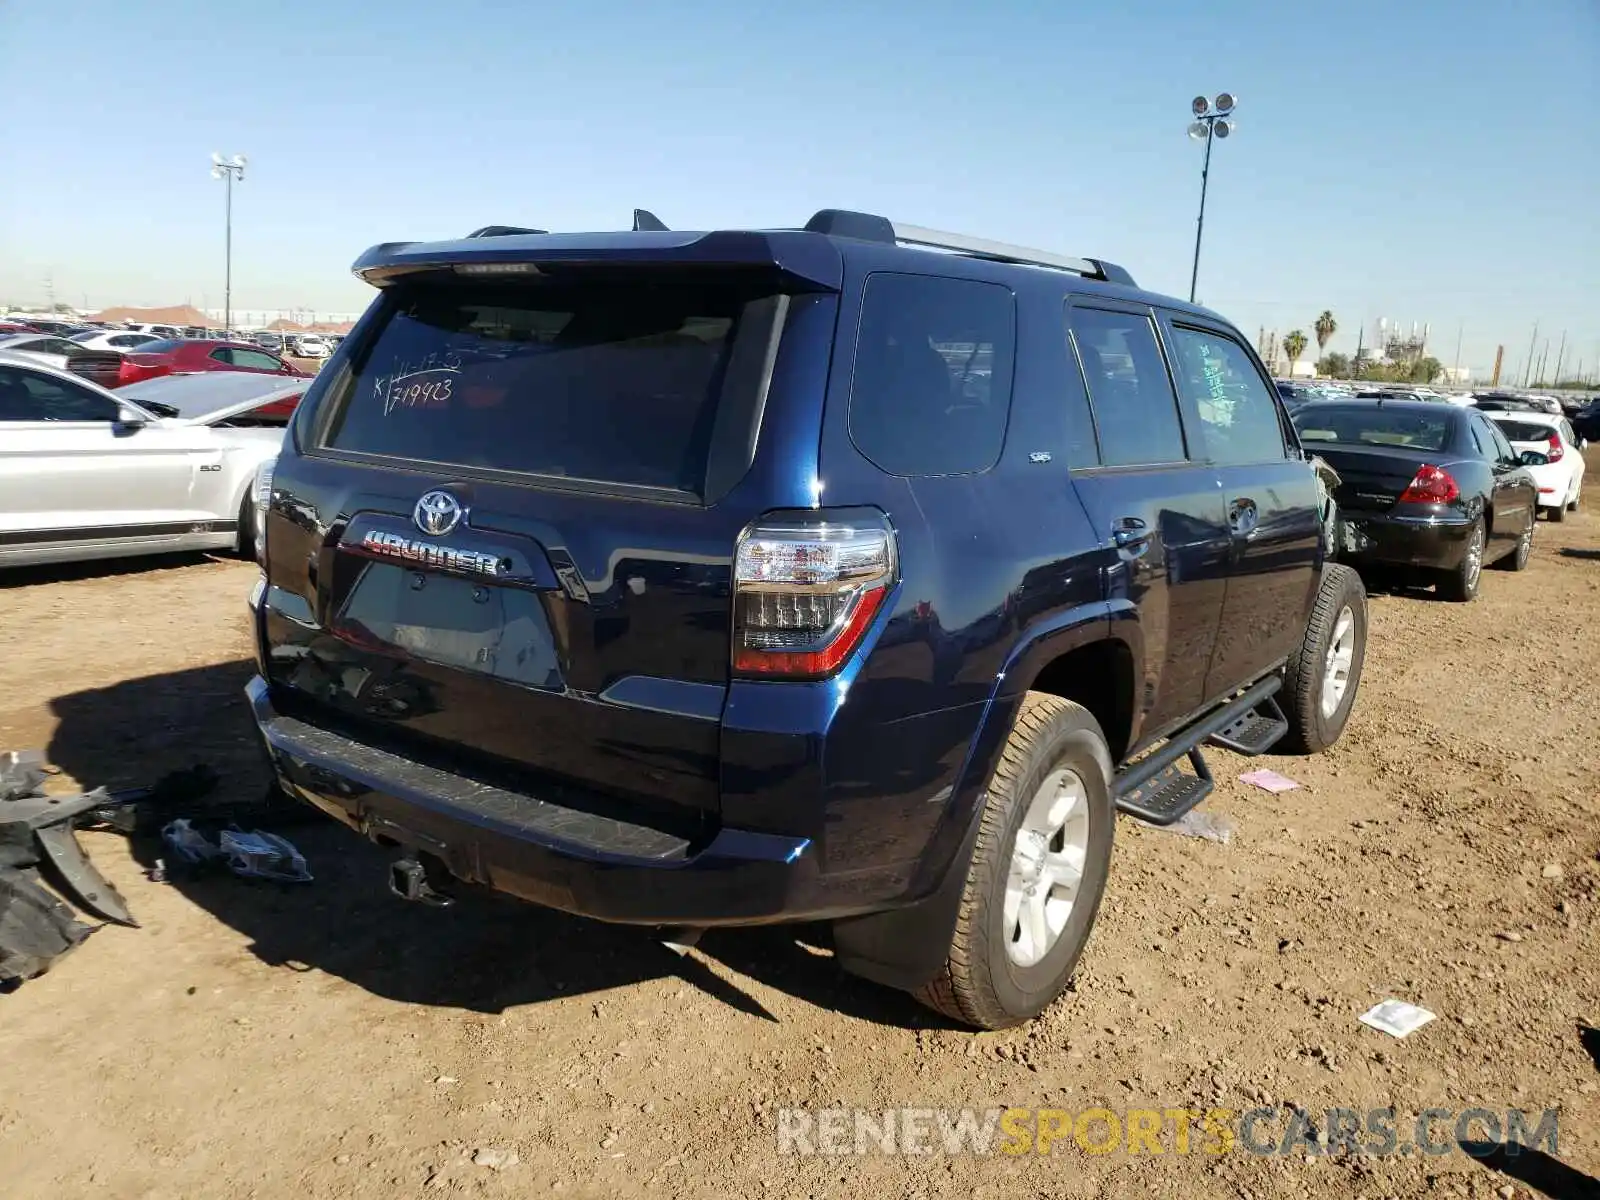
<point>246,545</point>
<point>1037,872</point>
<point>1518,558</point>
<point>1319,687</point>
<point>1577,497</point>
<point>1461,584</point>
<point>1556,512</point>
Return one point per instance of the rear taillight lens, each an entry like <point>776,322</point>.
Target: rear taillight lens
<point>805,593</point>
<point>1431,485</point>
<point>1555,452</point>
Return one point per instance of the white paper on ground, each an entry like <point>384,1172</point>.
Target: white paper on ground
<point>1396,1017</point>
<point>1269,781</point>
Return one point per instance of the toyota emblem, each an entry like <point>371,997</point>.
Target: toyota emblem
<point>437,513</point>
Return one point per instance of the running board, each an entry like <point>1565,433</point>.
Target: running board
<point>1256,732</point>
<point>1171,794</point>
<point>1156,789</point>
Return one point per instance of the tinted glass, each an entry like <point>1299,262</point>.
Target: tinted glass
<point>28,396</point>
<point>932,384</point>
<point>255,360</point>
<point>615,382</point>
<point>1135,411</point>
<point>1238,415</point>
<point>128,340</point>
<point>1374,425</point>
<point>1524,431</point>
<point>1506,453</point>
<point>161,346</point>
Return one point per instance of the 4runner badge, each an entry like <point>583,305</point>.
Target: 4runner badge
<point>437,513</point>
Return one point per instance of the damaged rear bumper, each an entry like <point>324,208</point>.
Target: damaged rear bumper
<point>561,857</point>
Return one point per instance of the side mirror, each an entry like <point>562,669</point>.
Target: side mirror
<point>130,418</point>
<point>1532,458</point>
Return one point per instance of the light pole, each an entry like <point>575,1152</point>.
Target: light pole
<point>1211,121</point>
<point>227,169</point>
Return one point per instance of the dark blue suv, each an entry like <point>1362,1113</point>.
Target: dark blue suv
<point>855,573</point>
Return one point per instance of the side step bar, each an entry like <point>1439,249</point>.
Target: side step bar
<point>1157,790</point>
<point>1256,732</point>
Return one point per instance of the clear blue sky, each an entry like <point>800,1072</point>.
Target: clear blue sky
<point>1436,160</point>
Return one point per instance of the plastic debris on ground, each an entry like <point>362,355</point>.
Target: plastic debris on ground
<point>1268,781</point>
<point>1212,827</point>
<point>1396,1017</point>
<point>252,854</point>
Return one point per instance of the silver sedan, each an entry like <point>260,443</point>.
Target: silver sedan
<point>85,474</point>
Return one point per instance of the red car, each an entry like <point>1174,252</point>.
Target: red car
<point>16,327</point>
<point>185,357</point>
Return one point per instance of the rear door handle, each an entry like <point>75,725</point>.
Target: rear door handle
<point>1243,516</point>
<point>1130,533</point>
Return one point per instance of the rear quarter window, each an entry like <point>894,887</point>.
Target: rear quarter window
<point>931,389</point>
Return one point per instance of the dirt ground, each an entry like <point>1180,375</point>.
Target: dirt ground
<point>254,1041</point>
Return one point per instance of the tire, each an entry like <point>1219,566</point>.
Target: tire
<point>246,545</point>
<point>1461,584</point>
<point>987,980</point>
<point>1556,512</point>
<point>1517,560</point>
<point>1311,729</point>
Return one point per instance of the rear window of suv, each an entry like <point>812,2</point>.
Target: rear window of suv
<point>614,382</point>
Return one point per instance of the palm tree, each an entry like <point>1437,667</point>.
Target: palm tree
<point>1294,345</point>
<point>1325,328</point>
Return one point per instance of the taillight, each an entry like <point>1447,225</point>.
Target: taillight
<point>805,593</point>
<point>1555,452</point>
<point>1431,485</point>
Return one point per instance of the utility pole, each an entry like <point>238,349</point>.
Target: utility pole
<point>1355,363</point>
<point>1560,354</point>
<point>1499,358</point>
<point>1460,329</point>
<point>1527,373</point>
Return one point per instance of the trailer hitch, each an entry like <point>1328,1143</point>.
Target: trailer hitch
<point>410,879</point>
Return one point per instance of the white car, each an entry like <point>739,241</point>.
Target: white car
<point>311,346</point>
<point>112,339</point>
<point>44,348</point>
<point>1560,477</point>
<point>86,474</point>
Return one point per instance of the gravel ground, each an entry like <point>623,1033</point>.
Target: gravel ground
<point>331,1041</point>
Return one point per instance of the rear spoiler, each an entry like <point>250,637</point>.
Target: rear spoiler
<point>509,250</point>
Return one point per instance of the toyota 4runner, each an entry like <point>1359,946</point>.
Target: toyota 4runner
<point>857,573</point>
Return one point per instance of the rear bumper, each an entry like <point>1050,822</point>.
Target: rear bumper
<point>1381,539</point>
<point>563,858</point>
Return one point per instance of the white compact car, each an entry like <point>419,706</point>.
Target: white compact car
<point>85,474</point>
<point>311,347</point>
<point>44,348</point>
<point>1560,478</point>
<point>112,339</point>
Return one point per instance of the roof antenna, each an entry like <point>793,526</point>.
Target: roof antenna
<point>647,221</point>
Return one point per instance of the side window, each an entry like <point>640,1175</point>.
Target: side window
<point>1135,411</point>
<point>1238,416</point>
<point>931,391</point>
<point>1481,440</point>
<point>1568,435</point>
<point>25,396</point>
<point>1502,447</point>
<point>223,354</point>
<point>254,360</point>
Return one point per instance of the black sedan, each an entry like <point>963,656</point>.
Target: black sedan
<point>1430,487</point>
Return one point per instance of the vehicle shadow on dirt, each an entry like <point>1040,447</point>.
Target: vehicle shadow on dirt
<point>483,953</point>
<point>102,568</point>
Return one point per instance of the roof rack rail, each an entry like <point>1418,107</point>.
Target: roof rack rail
<point>502,231</point>
<point>840,222</point>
